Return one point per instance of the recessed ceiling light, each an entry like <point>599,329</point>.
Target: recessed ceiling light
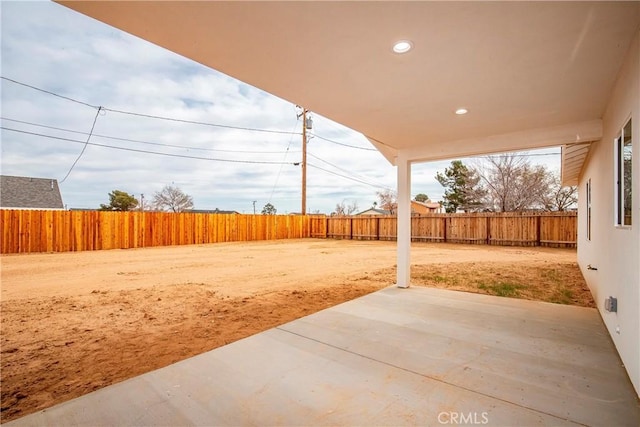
<point>402,46</point>
<point>461,111</point>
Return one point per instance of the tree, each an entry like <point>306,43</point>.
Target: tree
<point>269,209</point>
<point>120,201</point>
<point>421,198</point>
<point>388,200</point>
<point>513,184</point>
<point>171,199</point>
<point>559,198</point>
<point>343,209</point>
<point>462,188</point>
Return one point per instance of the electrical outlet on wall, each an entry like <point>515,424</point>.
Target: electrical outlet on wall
<point>611,304</point>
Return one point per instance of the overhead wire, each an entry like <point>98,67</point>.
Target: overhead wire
<point>173,119</point>
<point>345,176</point>
<point>183,156</point>
<point>193,122</point>
<point>137,140</point>
<point>347,171</point>
<point>49,92</point>
<point>151,116</point>
<point>95,119</point>
<point>275,184</point>
<point>341,143</point>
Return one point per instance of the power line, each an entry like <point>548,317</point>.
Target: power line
<point>172,119</point>
<point>95,119</point>
<point>342,143</point>
<point>95,135</point>
<point>346,177</point>
<point>347,171</point>
<point>137,140</point>
<point>150,116</point>
<point>275,184</point>
<point>49,92</point>
<point>145,151</point>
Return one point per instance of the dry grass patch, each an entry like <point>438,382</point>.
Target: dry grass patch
<point>560,283</point>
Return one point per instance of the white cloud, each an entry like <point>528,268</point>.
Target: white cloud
<point>48,46</point>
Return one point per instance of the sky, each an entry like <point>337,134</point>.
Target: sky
<point>246,150</point>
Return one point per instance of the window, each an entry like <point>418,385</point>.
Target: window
<point>624,181</point>
<point>589,209</point>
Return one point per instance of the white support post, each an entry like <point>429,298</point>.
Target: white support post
<point>404,223</point>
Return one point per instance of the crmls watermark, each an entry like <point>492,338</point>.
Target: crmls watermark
<point>478,418</point>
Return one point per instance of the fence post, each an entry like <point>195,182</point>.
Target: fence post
<point>445,229</point>
<point>488,230</point>
<point>350,228</point>
<point>538,220</point>
<point>377,228</point>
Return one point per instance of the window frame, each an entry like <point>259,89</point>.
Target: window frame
<point>588,191</point>
<point>620,143</point>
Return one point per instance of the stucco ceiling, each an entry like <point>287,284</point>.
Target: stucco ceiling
<point>530,73</point>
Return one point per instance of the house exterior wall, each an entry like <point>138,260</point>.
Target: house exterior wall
<point>614,250</point>
<point>421,208</point>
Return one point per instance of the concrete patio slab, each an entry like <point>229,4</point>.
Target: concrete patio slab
<point>414,356</point>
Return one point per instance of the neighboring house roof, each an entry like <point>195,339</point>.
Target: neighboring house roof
<point>213,211</point>
<point>374,211</point>
<point>23,192</point>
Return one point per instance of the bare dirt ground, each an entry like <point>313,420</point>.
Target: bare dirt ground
<point>75,322</point>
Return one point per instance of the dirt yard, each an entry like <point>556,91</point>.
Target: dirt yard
<point>75,322</point>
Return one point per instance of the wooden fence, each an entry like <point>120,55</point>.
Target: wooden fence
<point>554,229</point>
<point>25,231</point>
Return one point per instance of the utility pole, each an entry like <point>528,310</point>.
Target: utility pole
<point>254,207</point>
<point>304,161</point>
<point>306,124</point>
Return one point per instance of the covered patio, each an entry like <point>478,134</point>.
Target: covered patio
<point>415,356</point>
<point>528,75</point>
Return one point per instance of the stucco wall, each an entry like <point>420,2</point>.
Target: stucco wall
<point>615,251</point>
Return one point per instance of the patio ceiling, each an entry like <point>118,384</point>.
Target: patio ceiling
<point>530,74</point>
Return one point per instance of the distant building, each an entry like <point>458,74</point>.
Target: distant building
<point>21,192</point>
<point>211,211</point>
<point>374,211</point>
<point>418,208</point>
